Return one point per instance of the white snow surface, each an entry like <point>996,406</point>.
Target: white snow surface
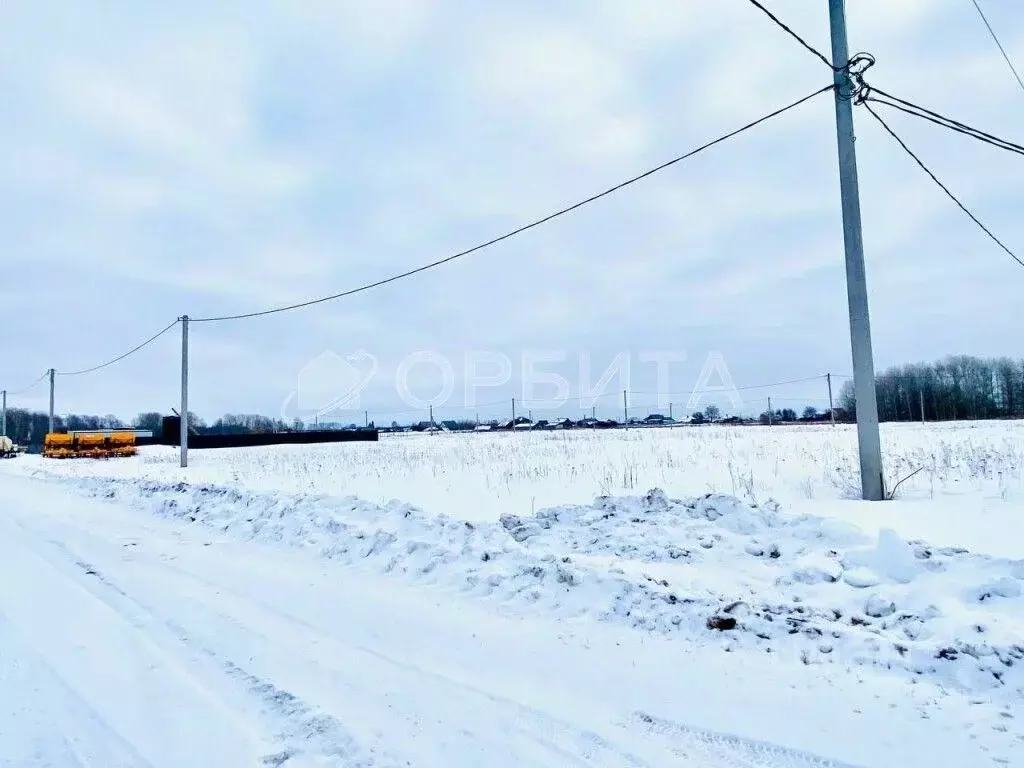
<point>150,619</point>
<point>976,467</point>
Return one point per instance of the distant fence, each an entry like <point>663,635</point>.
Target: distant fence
<point>280,438</point>
<point>171,435</point>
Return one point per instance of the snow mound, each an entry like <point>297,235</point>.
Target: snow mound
<point>712,567</point>
<point>891,559</point>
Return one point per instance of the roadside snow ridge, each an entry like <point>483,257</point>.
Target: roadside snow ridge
<point>716,568</point>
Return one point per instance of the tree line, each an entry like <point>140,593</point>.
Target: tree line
<point>958,387</point>
<point>26,427</point>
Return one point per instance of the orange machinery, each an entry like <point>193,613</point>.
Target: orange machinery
<point>88,445</point>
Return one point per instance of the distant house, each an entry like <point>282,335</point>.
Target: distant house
<point>515,423</point>
<point>523,426</point>
<point>426,426</point>
<point>482,428</point>
<point>658,419</point>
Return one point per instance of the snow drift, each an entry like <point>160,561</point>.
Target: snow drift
<point>711,568</point>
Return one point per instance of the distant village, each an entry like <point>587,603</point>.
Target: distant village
<point>526,424</point>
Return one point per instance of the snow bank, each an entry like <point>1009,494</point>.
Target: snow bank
<point>717,569</point>
<point>978,467</point>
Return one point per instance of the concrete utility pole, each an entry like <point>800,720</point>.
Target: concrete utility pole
<point>831,408</point>
<point>3,416</point>
<point>856,278</point>
<point>670,410</point>
<point>769,411</point>
<point>513,411</point>
<point>366,418</point>
<point>920,394</point>
<point>52,373</point>
<point>625,409</point>
<point>184,391</point>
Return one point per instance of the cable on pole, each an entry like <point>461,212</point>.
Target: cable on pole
<point>867,93</point>
<point>523,228</point>
<point>1002,50</point>
<point>23,390</point>
<point>942,186</point>
<point>119,358</point>
<point>788,30</point>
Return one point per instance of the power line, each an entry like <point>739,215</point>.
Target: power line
<point>942,186</point>
<point>783,383</point>
<point>1002,50</point>
<point>932,116</point>
<point>525,227</point>
<point>724,390</point>
<point>23,390</point>
<point>119,358</point>
<point>786,28</point>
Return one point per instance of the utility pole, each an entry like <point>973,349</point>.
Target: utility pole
<point>625,409</point>
<point>920,394</point>
<point>431,416</point>
<point>513,411</point>
<point>184,391</point>
<point>831,408</point>
<point>769,411</point>
<point>51,399</point>
<point>3,416</point>
<point>366,418</point>
<point>856,277</point>
<point>670,412</point>
<point>593,412</point>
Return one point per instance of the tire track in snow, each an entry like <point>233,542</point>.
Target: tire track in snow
<point>301,725</point>
<point>86,738</point>
<point>555,741</point>
<point>708,748</point>
<point>699,747</point>
<point>562,742</point>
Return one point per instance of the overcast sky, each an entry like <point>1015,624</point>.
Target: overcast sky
<point>209,158</point>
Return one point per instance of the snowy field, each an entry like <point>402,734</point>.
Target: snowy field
<point>479,477</point>
<point>695,597</point>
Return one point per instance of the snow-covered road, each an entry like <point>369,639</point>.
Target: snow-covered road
<point>128,640</point>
